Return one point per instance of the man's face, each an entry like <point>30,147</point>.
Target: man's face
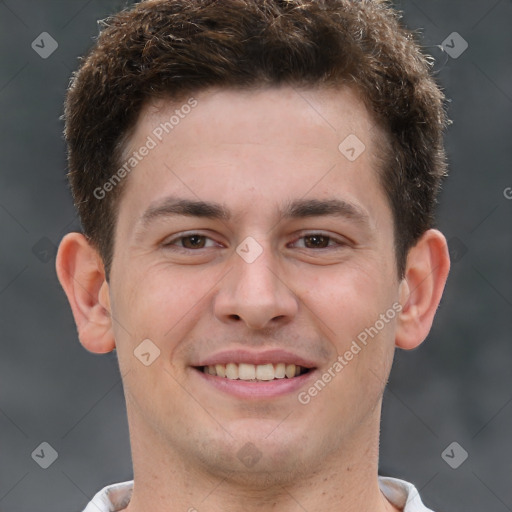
<point>291,262</point>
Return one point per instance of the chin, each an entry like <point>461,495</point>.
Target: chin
<point>257,458</point>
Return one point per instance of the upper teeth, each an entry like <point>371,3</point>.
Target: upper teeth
<point>244,371</point>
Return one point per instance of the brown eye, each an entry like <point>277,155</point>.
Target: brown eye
<point>193,241</point>
<point>316,241</point>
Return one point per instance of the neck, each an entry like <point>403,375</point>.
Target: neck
<point>344,479</point>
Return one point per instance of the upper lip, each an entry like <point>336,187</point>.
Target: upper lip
<point>274,356</point>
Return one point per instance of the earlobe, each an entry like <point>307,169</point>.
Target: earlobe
<point>428,264</point>
<point>81,274</point>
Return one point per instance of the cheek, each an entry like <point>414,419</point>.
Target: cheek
<point>362,344</point>
<point>349,304</point>
<point>163,307</point>
<point>347,299</point>
<point>157,303</point>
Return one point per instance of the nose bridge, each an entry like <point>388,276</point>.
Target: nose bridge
<point>254,291</point>
<point>257,258</point>
<point>257,275</point>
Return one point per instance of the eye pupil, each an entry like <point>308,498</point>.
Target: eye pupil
<point>194,241</point>
<point>316,241</point>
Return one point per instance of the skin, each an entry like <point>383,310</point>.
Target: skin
<point>254,152</point>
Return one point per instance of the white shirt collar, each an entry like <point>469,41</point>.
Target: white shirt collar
<point>400,493</point>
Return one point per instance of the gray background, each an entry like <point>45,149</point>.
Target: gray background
<point>455,387</point>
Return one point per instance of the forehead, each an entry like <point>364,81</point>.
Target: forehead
<point>307,114</point>
<point>284,142</point>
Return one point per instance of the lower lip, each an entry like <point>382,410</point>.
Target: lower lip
<point>263,389</point>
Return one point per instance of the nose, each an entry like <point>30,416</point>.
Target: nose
<point>255,293</point>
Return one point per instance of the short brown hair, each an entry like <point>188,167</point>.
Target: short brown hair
<point>171,48</point>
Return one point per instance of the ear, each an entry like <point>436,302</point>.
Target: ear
<point>428,264</point>
<point>82,275</point>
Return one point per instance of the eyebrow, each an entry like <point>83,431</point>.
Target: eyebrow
<point>185,207</point>
<point>301,208</point>
<point>304,208</point>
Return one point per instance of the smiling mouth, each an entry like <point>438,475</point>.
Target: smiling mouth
<point>254,373</point>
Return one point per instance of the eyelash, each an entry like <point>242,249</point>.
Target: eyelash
<point>182,237</point>
<point>336,242</point>
<point>333,241</point>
